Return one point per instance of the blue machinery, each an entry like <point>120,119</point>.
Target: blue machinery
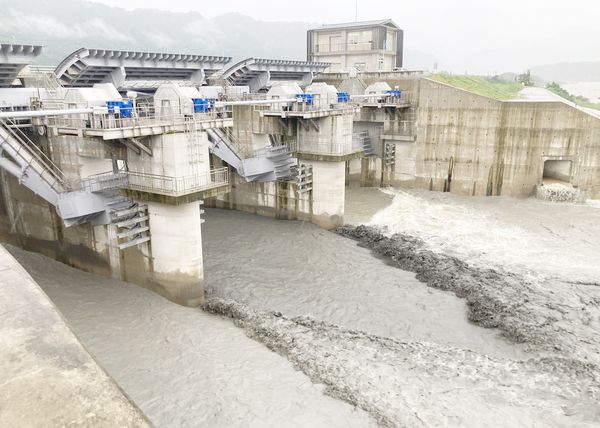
<point>203,105</point>
<point>124,108</point>
<point>343,97</point>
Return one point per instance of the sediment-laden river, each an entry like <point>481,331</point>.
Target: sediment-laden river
<point>358,341</point>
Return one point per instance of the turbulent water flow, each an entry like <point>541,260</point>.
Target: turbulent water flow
<point>184,367</point>
<point>530,237</point>
<point>390,325</point>
<point>299,269</point>
<point>420,384</point>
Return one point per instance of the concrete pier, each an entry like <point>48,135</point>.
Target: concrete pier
<point>328,193</point>
<point>47,376</point>
<point>176,244</point>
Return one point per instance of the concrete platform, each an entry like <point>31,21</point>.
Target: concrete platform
<point>47,378</point>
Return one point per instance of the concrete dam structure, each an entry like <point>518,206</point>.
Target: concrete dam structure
<point>108,159</point>
<point>437,299</point>
<point>453,140</point>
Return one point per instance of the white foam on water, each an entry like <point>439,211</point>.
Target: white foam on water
<point>526,236</point>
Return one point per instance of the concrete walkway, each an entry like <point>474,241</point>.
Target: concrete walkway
<point>47,378</point>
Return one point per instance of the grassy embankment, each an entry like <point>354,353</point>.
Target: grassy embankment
<point>577,99</point>
<point>502,90</point>
<point>486,86</point>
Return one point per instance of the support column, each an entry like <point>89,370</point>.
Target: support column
<point>329,193</point>
<point>176,242</point>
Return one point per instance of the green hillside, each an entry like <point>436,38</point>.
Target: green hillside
<point>488,87</point>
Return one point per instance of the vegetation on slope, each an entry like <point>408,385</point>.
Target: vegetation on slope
<point>492,87</point>
<point>577,99</point>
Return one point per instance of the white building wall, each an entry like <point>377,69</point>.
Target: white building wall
<point>178,155</point>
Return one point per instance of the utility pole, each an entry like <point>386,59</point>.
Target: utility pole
<point>356,11</point>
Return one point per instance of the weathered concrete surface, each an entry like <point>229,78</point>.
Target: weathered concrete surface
<point>47,378</point>
<point>473,145</point>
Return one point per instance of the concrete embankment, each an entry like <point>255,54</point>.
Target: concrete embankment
<point>47,378</point>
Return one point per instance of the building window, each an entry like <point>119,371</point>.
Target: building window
<point>335,44</point>
<point>360,40</point>
<point>390,41</point>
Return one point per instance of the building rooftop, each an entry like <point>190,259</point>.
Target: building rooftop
<point>387,22</point>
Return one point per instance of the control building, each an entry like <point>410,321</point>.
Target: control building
<point>362,46</point>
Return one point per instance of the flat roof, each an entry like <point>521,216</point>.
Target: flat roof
<point>386,22</point>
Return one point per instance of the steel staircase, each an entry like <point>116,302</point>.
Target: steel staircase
<point>285,166</point>
<point>22,158</point>
<point>131,220</point>
<point>88,200</point>
<point>389,154</point>
<point>268,164</point>
<point>304,178</point>
<point>364,140</point>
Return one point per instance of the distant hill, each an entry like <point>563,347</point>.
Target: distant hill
<point>569,72</point>
<point>66,25</point>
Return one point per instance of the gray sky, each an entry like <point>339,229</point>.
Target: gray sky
<point>480,35</point>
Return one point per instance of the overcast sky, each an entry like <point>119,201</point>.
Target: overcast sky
<point>481,35</point>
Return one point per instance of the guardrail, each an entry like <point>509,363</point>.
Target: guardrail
<point>404,98</point>
<point>404,128</point>
<point>140,116</point>
<point>330,148</point>
<point>177,186</point>
<point>46,169</point>
<point>301,103</point>
<point>343,47</point>
<point>103,181</point>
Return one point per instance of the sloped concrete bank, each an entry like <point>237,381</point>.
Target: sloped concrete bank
<point>418,384</point>
<point>47,377</point>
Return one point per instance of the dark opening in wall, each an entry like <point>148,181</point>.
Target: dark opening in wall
<point>557,171</point>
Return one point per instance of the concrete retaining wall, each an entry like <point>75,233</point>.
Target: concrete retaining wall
<point>474,145</point>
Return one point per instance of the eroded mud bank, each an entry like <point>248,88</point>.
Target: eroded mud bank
<point>425,384</point>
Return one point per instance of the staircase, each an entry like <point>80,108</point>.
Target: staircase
<point>22,158</point>
<point>268,164</point>
<point>389,154</point>
<point>304,178</point>
<point>363,140</point>
<point>131,220</point>
<point>53,85</point>
<point>89,200</point>
<point>285,166</point>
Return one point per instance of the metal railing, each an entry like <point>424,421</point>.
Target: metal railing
<point>404,128</point>
<point>330,148</point>
<point>103,181</point>
<point>253,97</point>
<point>280,149</point>
<point>45,168</point>
<point>404,98</point>
<point>177,186</point>
<point>142,115</point>
<point>328,102</point>
<point>244,151</point>
<point>344,47</point>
